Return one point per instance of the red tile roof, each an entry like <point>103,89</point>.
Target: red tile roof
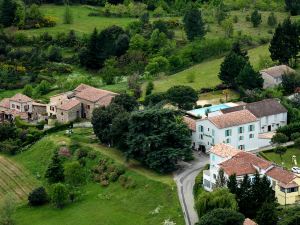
<point>232,119</point>
<point>190,122</point>
<point>20,98</point>
<point>67,105</point>
<point>93,94</point>
<point>5,103</point>
<point>243,163</point>
<point>281,175</point>
<point>249,222</point>
<point>106,100</point>
<point>224,150</point>
<point>82,87</point>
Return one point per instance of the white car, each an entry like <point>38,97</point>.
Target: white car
<point>296,170</point>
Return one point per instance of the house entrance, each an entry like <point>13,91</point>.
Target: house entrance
<point>269,128</point>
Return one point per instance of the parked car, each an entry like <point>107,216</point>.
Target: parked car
<point>296,170</point>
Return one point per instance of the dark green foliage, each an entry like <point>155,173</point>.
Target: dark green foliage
<point>279,138</point>
<point>28,90</point>
<point>290,82</point>
<point>158,138</point>
<point>289,129</point>
<point>280,150</point>
<point>149,88</point>
<point>272,20</point>
<point>119,130</point>
<point>7,12</point>
<point>184,97</point>
<point>193,24</point>
<point>55,54</point>
<point>237,49</point>
<point>102,121</point>
<point>155,98</point>
<point>110,72</point>
<point>232,185</point>
<point>126,101</point>
<point>267,215</point>
<point>222,217</point>
<point>293,6</point>
<point>38,197</point>
<point>290,216</point>
<point>7,131</point>
<point>249,79</point>
<point>74,174</point>
<point>256,18</point>
<point>55,170</point>
<point>59,195</point>
<point>285,43</point>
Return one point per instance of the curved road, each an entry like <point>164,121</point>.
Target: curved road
<point>185,180</point>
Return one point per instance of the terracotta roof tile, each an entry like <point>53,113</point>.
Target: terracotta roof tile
<point>243,163</point>
<point>5,103</point>
<point>260,109</point>
<point>281,175</point>
<point>232,119</point>
<point>224,150</point>
<point>278,71</point>
<point>93,94</point>
<point>249,222</point>
<point>106,100</point>
<point>190,122</point>
<point>82,87</point>
<point>20,98</point>
<point>69,104</point>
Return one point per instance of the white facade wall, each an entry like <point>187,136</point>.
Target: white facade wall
<point>271,123</point>
<point>21,107</point>
<point>208,135</point>
<point>270,81</point>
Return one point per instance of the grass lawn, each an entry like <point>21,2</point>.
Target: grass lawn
<point>286,158</point>
<point>215,97</point>
<point>112,205</point>
<point>206,73</point>
<point>82,22</point>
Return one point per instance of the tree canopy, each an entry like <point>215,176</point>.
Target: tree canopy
<point>222,217</point>
<point>184,97</point>
<point>194,25</point>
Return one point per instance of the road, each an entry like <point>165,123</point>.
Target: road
<point>185,180</point>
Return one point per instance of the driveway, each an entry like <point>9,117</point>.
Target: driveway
<point>185,180</point>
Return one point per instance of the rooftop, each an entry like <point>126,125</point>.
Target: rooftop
<point>20,98</point>
<point>224,150</point>
<point>93,94</point>
<point>190,122</point>
<point>281,175</point>
<point>69,104</point>
<point>260,109</point>
<point>278,71</point>
<point>232,119</point>
<point>4,103</point>
<point>203,111</point>
<point>249,222</point>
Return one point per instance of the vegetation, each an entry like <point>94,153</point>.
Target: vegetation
<point>222,217</point>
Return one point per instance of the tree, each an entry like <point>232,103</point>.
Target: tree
<point>193,24</point>
<point>227,26</point>
<point>154,99</point>
<point>74,174</point>
<point>267,215</point>
<point>102,121</point>
<point>232,184</point>
<point>290,82</point>
<point>38,197</point>
<point>245,201</point>
<point>285,43</point>
<point>43,88</point>
<point>157,65</point>
<point>55,170</point>
<point>231,68</point>
<point>272,20</point>
<point>126,101</point>
<point>59,195</point>
<point>7,131</point>
<point>28,90</point>
<point>249,79</point>
<point>293,6</point>
<point>236,48</point>
<point>256,18</point>
<point>110,71</point>
<point>221,179</point>
<point>68,15</point>
<point>279,138</point>
<point>290,216</point>
<point>55,54</point>
<point>7,12</point>
<point>222,217</point>
<point>280,150</point>
<point>220,13</point>
<point>158,138</point>
<point>119,130</point>
<point>149,88</point>
<point>7,210</point>
<point>184,97</point>
<point>219,198</point>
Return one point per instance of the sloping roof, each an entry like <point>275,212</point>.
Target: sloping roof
<point>106,100</point>
<point>260,109</point>
<point>244,163</point>
<point>5,103</point>
<point>20,98</point>
<point>249,222</point>
<point>93,94</point>
<point>67,105</point>
<point>232,119</point>
<point>190,122</point>
<point>81,87</point>
<point>278,71</point>
<point>224,150</point>
<point>281,175</point>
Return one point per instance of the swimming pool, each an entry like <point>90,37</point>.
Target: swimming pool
<point>213,108</point>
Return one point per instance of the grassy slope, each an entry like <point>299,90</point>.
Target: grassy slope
<point>286,158</point>
<point>112,205</point>
<point>206,73</point>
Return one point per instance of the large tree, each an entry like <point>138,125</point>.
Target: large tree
<point>158,138</point>
<point>267,215</point>
<point>193,24</point>
<point>222,217</point>
<point>293,6</point>
<point>7,12</point>
<point>249,79</point>
<point>126,101</point>
<point>285,44</point>
<point>184,97</point>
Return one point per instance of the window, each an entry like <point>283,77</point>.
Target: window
<point>200,128</point>
<point>215,176</point>
<point>88,106</point>
<point>251,136</point>
<point>241,130</point>
<point>228,140</point>
<point>294,189</point>
<point>207,129</point>
<point>26,108</point>
<point>13,106</point>
<point>241,138</point>
<point>227,133</point>
<point>213,141</point>
<point>241,147</point>
<point>251,127</point>
<point>207,143</point>
<point>18,107</point>
<point>201,136</point>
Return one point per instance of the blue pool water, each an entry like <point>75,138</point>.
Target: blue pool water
<point>213,108</point>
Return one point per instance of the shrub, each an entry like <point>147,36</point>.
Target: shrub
<point>38,197</point>
<point>295,136</point>
<point>127,182</point>
<point>82,153</point>
<point>59,195</point>
<point>297,142</point>
<point>279,138</point>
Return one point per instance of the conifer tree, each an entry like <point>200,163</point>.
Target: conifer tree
<point>256,18</point>
<point>272,20</point>
<point>194,25</point>
<point>55,170</point>
<point>7,12</point>
<point>249,79</point>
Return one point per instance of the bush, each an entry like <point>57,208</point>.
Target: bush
<point>289,129</point>
<point>59,195</point>
<point>38,197</point>
<point>127,182</point>
<point>279,138</point>
<point>297,142</point>
<point>295,136</point>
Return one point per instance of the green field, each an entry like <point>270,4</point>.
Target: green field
<point>206,73</point>
<point>112,205</point>
<point>286,158</point>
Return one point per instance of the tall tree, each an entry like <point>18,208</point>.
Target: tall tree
<point>184,97</point>
<point>126,101</point>
<point>193,24</point>
<point>293,6</point>
<point>267,214</point>
<point>55,170</point>
<point>285,43</point>
<point>256,18</point>
<point>7,12</point>
<point>222,217</point>
<point>249,79</point>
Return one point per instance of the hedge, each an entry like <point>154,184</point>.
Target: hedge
<point>199,181</point>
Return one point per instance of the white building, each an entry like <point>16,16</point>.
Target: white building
<point>273,75</point>
<point>244,126</point>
